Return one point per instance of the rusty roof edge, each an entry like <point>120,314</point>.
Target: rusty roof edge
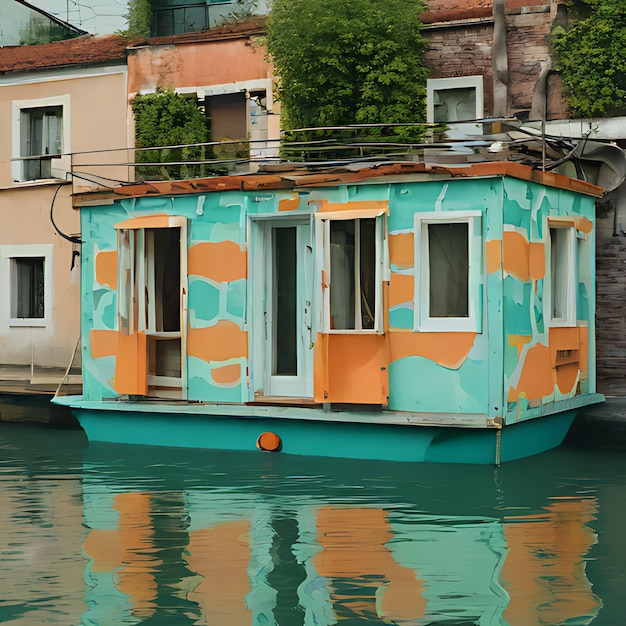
<point>297,178</point>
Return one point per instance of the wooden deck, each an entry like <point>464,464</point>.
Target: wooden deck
<point>22,379</point>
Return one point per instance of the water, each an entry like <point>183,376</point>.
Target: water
<point>102,535</point>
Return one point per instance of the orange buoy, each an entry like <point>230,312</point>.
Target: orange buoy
<point>269,441</point>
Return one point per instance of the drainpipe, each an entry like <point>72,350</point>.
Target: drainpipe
<point>499,61</point>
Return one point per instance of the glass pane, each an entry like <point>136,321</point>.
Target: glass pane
<point>367,260</point>
<point>560,244</point>
<point>453,105</point>
<point>166,278</point>
<point>342,274</point>
<point>30,287</point>
<point>448,266</point>
<point>285,304</point>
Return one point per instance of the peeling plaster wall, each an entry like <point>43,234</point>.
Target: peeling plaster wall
<point>461,34</point>
<point>512,358</point>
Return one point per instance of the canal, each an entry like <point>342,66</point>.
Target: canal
<point>101,535</point>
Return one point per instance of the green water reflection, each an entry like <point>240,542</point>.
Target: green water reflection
<point>102,534</point>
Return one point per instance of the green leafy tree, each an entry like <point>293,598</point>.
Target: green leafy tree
<point>165,118</point>
<point>591,58</point>
<point>348,61</point>
<point>139,18</point>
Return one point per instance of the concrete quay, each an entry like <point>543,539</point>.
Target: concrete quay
<point>601,425</point>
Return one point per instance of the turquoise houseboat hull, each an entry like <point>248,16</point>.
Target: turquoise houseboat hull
<point>336,434</point>
<point>395,311</point>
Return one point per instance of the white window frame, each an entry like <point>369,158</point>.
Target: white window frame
<point>423,320</point>
<point>60,165</point>
<point>571,280</point>
<point>8,255</point>
<point>456,129</point>
<point>323,221</point>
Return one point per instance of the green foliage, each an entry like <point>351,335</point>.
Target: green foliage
<point>348,61</point>
<point>590,57</point>
<point>139,18</point>
<point>166,118</point>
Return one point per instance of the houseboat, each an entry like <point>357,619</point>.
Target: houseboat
<point>393,311</point>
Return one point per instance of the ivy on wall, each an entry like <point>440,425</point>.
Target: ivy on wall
<point>166,118</point>
<point>590,57</point>
<point>348,61</point>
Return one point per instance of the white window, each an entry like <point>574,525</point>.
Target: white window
<point>447,271</point>
<point>353,272</point>
<point>30,276</point>
<point>454,100</point>
<point>40,139</point>
<point>563,275</point>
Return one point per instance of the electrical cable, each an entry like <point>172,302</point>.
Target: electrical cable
<point>67,237</point>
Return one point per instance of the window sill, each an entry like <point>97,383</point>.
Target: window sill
<point>28,323</point>
<point>39,182</point>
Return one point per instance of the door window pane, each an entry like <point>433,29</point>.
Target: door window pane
<point>285,303</point>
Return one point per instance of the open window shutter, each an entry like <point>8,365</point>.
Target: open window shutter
<point>351,365</point>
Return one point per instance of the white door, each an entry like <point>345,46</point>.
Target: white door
<point>281,307</point>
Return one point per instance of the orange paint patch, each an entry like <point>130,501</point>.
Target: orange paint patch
<point>402,250</point>
<point>222,261</point>
<point>401,289</point>
<point>131,364</point>
<point>226,375</point>
<point>583,224</point>
<point>536,260</point>
<point>493,254</point>
<point>223,341</point>
<point>519,341</point>
<point>357,205</point>
<point>446,349</point>
<point>537,377</point>
<point>515,255</point>
<point>160,220</point>
<point>289,204</point>
<point>566,342</point>
<point>338,378</point>
<point>103,343</point>
<point>106,268</point>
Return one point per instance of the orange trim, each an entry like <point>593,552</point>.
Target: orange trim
<point>446,349</point>
<point>106,268</point>
<point>103,343</point>
<point>161,220</point>
<point>357,205</point>
<point>222,261</point>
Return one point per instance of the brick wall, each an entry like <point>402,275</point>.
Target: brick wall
<point>460,35</point>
